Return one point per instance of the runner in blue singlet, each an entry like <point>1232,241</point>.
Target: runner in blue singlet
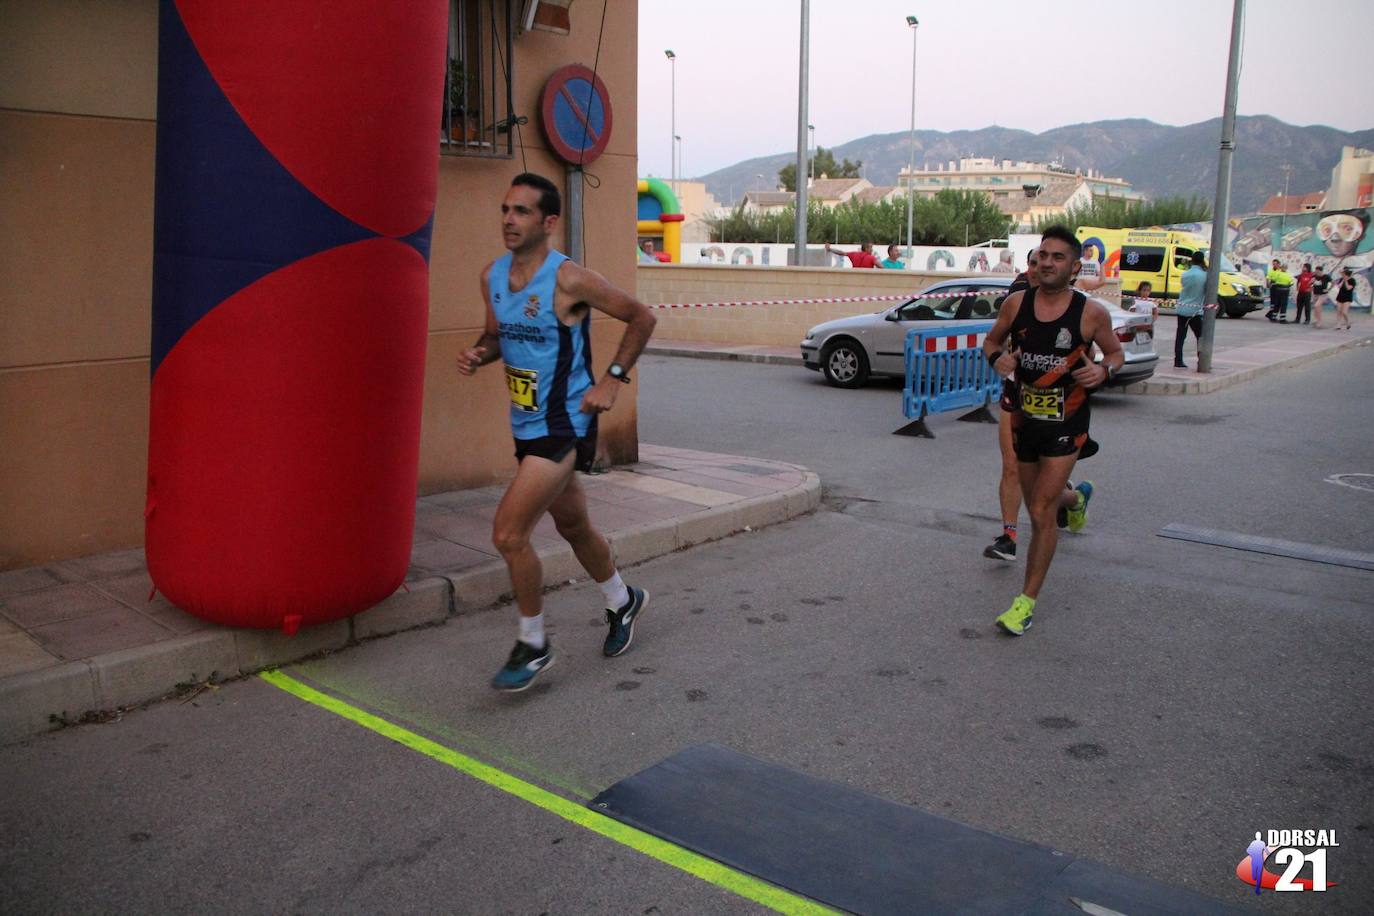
<point>539,324</point>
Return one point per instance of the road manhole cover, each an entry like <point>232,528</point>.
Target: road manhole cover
<point>1358,481</point>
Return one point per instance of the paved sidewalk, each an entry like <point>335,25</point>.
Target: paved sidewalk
<point>82,638</point>
<point>1241,352</point>
<point>1245,349</point>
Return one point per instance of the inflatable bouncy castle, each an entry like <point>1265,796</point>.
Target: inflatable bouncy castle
<point>660,217</point>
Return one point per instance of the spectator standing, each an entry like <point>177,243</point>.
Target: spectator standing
<point>1321,289</point>
<point>1305,280</point>
<point>1144,301</point>
<point>1189,307</point>
<point>862,258</point>
<point>1280,282</point>
<point>892,262</point>
<point>1092,267</point>
<point>1345,294</point>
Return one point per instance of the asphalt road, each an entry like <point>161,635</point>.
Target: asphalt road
<point>1171,700</point>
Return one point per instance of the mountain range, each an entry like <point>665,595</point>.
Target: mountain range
<point>1157,159</point>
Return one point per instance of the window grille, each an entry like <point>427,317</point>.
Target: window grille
<point>478,102</point>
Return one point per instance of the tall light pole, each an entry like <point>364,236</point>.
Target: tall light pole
<point>1222,206</point>
<point>812,146</point>
<point>914,24</point>
<point>672,160</point>
<point>1287,169</point>
<point>803,80</point>
<point>677,158</point>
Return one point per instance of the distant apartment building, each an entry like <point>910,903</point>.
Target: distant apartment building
<point>1289,204</point>
<point>1352,180</point>
<point>826,191</point>
<point>1352,187</point>
<point>698,207</point>
<point>1025,191</point>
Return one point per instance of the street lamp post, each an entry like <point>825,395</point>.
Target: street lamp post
<point>672,167</point>
<point>799,201</point>
<point>913,23</point>
<point>1287,169</point>
<point>677,159</point>
<point>1221,208</point>
<point>812,129</point>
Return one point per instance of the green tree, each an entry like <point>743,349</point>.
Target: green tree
<point>963,218</point>
<point>1118,213</point>
<point>946,219</point>
<point>825,164</point>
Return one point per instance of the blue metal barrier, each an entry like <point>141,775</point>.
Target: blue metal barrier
<point>946,370</point>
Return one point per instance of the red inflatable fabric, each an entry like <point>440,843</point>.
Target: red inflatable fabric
<point>288,488</point>
<point>296,171</point>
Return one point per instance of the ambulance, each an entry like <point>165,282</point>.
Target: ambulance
<point>1159,257</point>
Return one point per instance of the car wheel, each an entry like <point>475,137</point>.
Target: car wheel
<point>845,364</point>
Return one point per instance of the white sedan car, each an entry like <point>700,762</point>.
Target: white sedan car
<point>850,350</point>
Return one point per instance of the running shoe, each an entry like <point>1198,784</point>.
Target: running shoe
<point>524,663</point>
<point>1016,620</point>
<point>1004,548</point>
<point>621,623</point>
<point>1078,515</point>
<point>1061,515</point>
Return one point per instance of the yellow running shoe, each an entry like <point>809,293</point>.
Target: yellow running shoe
<point>1078,516</point>
<point>1017,619</point>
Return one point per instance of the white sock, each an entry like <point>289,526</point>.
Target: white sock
<point>617,595</point>
<point>532,630</point>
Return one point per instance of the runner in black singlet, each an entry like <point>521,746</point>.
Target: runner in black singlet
<point>1050,331</point>
<point>1009,483</point>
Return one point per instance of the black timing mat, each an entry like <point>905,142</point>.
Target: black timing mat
<point>856,852</point>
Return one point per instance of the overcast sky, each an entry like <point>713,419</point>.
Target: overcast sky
<point>1028,64</point>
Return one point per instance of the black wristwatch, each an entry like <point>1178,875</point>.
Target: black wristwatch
<point>617,371</point>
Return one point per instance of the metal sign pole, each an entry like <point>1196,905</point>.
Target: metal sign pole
<point>574,213</point>
<point>1220,209</point>
<point>800,202</point>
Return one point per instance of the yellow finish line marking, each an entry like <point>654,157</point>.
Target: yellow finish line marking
<point>685,860</point>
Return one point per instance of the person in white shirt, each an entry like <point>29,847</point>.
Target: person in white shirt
<point>1144,301</point>
<point>1092,267</point>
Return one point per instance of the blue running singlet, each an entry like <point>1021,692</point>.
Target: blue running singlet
<point>548,364</point>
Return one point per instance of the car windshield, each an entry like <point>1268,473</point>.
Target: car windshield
<point>954,301</point>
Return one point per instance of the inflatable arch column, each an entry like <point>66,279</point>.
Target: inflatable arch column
<point>296,176</point>
<point>660,215</point>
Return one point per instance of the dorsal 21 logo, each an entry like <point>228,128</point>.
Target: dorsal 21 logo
<point>1288,850</point>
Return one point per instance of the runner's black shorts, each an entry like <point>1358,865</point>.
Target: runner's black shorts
<point>1010,399</point>
<point>556,448</point>
<point>1032,440</point>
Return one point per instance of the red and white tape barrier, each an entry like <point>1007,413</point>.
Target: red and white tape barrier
<point>1102,294</point>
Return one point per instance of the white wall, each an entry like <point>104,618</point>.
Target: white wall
<point>925,258</point>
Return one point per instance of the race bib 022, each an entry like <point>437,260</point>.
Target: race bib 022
<point>524,388</point>
<point>1042,403</point>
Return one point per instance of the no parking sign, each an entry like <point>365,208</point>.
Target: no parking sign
<point>576,114</point>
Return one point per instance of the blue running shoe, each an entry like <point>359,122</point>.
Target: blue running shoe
<point>622,623</point>
<point>1078,515</point>
<point>524,663</point>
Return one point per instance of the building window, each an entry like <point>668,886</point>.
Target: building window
<point>478,106</point>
